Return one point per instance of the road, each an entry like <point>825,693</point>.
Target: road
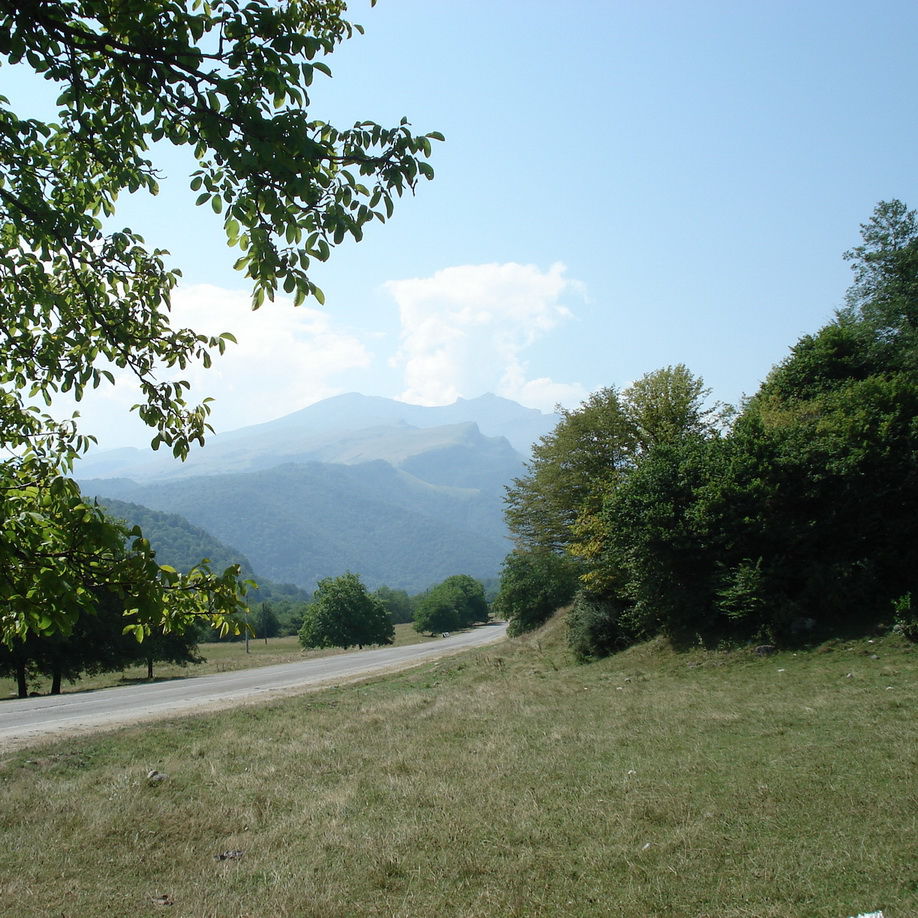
<point>26,719</point>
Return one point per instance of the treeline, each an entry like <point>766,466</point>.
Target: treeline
<point>96,644</point>
<point>457,602</point>
<point>791,518</point>
<point>341,613</point>
<point>344,613</point>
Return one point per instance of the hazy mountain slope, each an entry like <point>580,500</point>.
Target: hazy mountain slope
<point>182,545</point>
<point>298,523</point>
<point>176,541</point>
<point>347,428</point>
<point>495,417</point>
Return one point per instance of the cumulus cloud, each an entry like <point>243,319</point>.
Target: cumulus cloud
<point>465,331</point>
<point>285,359</point>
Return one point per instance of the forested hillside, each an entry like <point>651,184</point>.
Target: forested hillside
<point>175,540</point>
<point>300,523</point>
<point>182,545</point>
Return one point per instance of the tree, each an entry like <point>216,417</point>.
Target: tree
<point>397,603</point>
<point>96,644</point>
<point>533,586</point>
<point>457,602</point>
<point>267,624</point>
<point>885,289</point>
<point>594,445</point>
<point>568,465</point>
<point>797,522</point>
<point>344,614</point>
<point>180,648</point>
<point>231,82</point>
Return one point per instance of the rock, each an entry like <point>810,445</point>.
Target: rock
<point>765,650</point>
<point>229,855</point>
<point>156,777</point>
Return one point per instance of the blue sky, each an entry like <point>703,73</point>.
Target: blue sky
<point>623,186</point>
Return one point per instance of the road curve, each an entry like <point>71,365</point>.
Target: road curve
<point>23,720</point>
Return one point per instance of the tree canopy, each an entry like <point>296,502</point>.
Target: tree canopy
<point>793,522</point>
<point>344,614</point>
<point>79,299</point>
<point>457,602</point>
<point>594,444</point>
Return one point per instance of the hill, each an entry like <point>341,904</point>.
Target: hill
<point>182,545</point>
<point>298,523</point>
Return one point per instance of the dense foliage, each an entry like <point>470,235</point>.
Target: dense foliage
<point>457,602</point>
<point>231,82</point>
<point>96,644</point>
<point>795,522</point>
<point>533,585</point>
<point>397,603</point>
<point>344,614</point>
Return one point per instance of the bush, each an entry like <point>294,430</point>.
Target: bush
<point>906,618</point>
<point>597,627</point>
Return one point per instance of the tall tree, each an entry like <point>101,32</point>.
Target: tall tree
<point>594,445</point>
<point>231,82</point>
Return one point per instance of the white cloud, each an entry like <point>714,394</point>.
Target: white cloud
<point>285,358</point>
<point>466,328</point>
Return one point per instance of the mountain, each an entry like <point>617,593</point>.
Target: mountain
<point>298,523</point>
<point>182,545</point>
<point>347,428</point>
<point>401,494</point>
<point>176,541</point>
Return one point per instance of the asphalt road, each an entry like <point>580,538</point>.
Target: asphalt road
<point>26,719</point>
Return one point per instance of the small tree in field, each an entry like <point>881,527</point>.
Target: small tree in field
<point>456,603</point>
<point>344,614</point>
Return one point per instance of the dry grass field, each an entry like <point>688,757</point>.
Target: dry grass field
<point>505,782</point>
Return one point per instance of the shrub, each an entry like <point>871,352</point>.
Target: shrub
<point>597,627</point>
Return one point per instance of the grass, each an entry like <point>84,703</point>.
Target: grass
<point>218,658</point>
<point>507,781</point>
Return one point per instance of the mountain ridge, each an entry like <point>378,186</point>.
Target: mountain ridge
<point>309,434</point>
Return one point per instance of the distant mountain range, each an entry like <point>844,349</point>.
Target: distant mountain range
<point>345,429</point>
<point>401,494</point>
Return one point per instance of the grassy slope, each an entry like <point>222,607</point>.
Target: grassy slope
<point>505,782</point>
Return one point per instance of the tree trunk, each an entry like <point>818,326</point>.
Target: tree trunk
<point>21,682</point>
<point>56,681</point>
<point>150,667</point>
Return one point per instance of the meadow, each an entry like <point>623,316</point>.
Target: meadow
<point>507,781</point>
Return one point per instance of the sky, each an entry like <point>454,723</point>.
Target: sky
<point>624,186</point>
